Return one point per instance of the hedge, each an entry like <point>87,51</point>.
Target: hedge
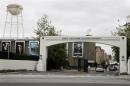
<point>15,56</point>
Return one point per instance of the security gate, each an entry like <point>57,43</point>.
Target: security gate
<point>118,41</point>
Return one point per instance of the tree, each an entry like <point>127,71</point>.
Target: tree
<point>45,28</point>
<point>56,53</point>
<point>56,57</point>
<point>115,50</point>
<point>122,32</point>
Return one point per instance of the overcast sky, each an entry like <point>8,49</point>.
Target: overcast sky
<point>73,17</point>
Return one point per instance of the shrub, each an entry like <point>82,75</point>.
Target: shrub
<point>15,56</point>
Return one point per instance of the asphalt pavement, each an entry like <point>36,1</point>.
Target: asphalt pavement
<point>64,78</point>
<point>59,84</point>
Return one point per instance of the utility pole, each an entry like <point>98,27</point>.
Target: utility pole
<point>8,50</point>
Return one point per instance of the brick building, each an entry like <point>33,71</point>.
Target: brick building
<point>101,56</point>
<point>88,52</point>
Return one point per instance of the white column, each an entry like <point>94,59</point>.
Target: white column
<point>41,66</point>
<point>129,65</point>
<point>123,55</point>
<point>44,58</point>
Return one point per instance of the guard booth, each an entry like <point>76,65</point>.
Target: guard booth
<point>118,41</point>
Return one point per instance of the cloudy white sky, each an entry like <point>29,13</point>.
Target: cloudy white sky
<point>73,17</point>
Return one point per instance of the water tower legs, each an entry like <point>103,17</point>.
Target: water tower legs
<point>14,21</point>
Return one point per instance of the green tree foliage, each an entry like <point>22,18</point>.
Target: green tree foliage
<point>56,53</point>
<point>122,32</point>
<point>56,57</point>
<point>45,28</point>
<point>115,50</point>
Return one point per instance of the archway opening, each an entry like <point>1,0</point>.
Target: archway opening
<point>62,56</point>
<point>105,58</point>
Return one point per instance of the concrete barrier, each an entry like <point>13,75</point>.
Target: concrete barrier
<point>17,65</point>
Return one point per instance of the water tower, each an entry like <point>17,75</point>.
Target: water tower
<point>128,19</point>
<point>14,21</point>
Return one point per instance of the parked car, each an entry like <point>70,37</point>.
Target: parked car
<point>99,69</point>
<point>112,67</point>
<point>117,66</point>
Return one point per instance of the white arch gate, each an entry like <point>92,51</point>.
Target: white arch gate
<point>119,41</point>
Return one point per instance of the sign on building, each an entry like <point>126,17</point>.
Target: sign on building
<point>33,47</point>
<point>77,49</point>
<point>6,46</point>
<point>20,47</point>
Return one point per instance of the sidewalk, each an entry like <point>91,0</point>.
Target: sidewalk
<point>64,74</point>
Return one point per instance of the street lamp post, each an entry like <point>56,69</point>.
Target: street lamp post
<point>85,65</point>
<point>79,63</point>
<point>8,50</point>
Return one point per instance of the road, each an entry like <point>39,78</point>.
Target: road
<point>58,84</point>
<point>61,80</point>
